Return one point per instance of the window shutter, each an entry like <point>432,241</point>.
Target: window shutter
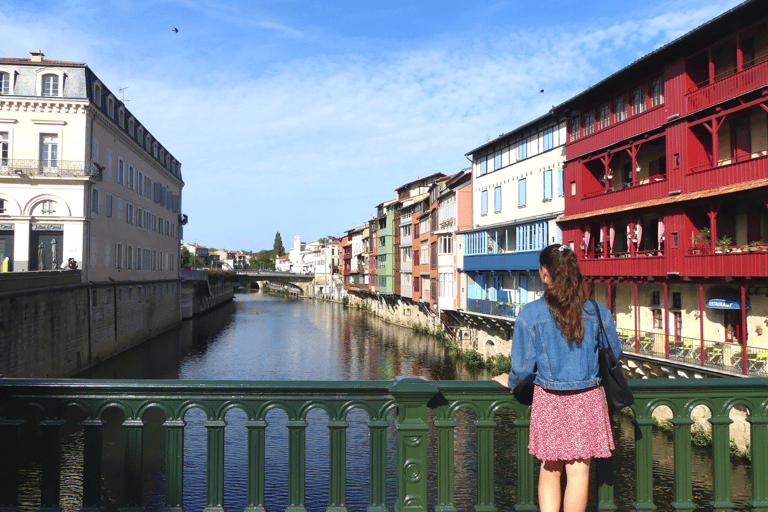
<point>484,202</point>
<point>483,165</point>
<point>109,205</point>
<point>521,191</point>
<point>560,182</point>
<point>157,192</point>
<point>497,199</point>
<point>497,160</point>
<point>547,184</point>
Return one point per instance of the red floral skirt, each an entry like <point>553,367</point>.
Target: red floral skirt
<point>569,425</point>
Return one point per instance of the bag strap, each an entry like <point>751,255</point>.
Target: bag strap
<point>600,326</point>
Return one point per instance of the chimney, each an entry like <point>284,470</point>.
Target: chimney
<point>37,56</point>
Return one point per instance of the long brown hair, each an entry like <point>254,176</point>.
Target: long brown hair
<point>565,293</point>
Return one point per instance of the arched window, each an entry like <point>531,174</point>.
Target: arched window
<point>97,94</point>
<point>50,85</point>
<point>121,114</point>
<point>110,107</point>
<point>45,208</point>
<point>657,92</point>
<point>5,83</point>
<point>604,116</point>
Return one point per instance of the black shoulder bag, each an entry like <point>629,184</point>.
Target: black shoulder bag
<point>617,391</point>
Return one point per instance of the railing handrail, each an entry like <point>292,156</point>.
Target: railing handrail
<point>408,398</point>
<point>728,73</point>
<point>50,167</point>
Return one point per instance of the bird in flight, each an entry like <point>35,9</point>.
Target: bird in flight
<point>175,30</point>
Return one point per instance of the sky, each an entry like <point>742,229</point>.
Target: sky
<point>300,117</point>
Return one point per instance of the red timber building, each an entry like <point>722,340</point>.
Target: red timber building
<point>667,194</point>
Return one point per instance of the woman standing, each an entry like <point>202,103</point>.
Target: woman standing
<point>556,337</point>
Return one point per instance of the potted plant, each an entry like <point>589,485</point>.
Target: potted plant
<point>723,244</point>
<point>754,245</point>
<point>701,241</point>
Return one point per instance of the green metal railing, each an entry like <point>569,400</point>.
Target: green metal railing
<point>409,399</point>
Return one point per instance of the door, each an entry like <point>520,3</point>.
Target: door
<point>732,322</point>
<point>523,289</point>
<point>6,248</point>
<point>741,139</point>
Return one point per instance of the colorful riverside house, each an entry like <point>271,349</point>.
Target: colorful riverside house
<point>385,257</point>
<point>409,198</point>
<point>666,181</point>
<point>517,187</point>
<point>357,275</point>
<point>445,233</point>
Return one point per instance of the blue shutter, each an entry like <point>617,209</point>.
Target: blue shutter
<point>483,165</point>
<point>523,289</point>
<point>497,160</point>
<point>484,202</point>
<point>497,200</point>
<point>547,184</point>
<point>560,182</point>
<point>521,192</point>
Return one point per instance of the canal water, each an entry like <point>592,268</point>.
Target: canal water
<point>260,337</point>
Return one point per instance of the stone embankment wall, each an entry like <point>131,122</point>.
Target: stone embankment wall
<point>488,340</point>
<point>61,331</point>
<point>200,294</point>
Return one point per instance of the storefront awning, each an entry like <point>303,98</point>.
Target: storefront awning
<point>725,301</point>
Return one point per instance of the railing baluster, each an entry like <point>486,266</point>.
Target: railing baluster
<point>133,440</point>
<point>297,452</point>
<point>683,469</point>
<point>92,448</point>
<point>644,462</point>
<point>377,493</point>
<point>256,460</point>
<point>721,461</point>
<point>338,466</point>
<point>215,458</point>
<point>174,465</point>
<point>50,480</point>
<point>759,442</point>
<point>526,491</point>
<point>445,462</point>
<point>605,484</point>
<point>485,496</point>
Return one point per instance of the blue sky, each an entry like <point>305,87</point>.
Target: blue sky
<point>300,117</point>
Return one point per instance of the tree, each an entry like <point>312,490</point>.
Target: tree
<point>262,259</point>
<point>277,247</point>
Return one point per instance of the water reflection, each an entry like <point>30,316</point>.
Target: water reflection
<point>259,337</point>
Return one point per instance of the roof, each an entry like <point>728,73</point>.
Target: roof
<point>509,134</point>
<point>712,31</point>
<point>414,199</point>
<point>9,60</point>
<point>437,174</point>
<point>688,196</point>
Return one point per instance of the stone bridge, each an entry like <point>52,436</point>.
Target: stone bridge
<point>300,284</point>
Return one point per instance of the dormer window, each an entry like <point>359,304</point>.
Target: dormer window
<point>50,85</point>
<point>140,136</point>
<point>111,107</point>
<point>97,94</point>
<point>130,127</point>
<point>5,83</point>
<point>154,150</point>
<point>148,143</point>
<point>121,115</point>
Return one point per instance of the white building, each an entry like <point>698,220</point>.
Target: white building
<point>82,178</point>
<point>517,188</point>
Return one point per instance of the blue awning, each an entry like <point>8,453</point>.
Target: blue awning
<point>725,302</point>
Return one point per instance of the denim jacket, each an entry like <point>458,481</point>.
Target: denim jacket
<point>560,366</point>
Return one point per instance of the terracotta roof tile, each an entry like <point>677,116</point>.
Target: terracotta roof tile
<point>8,60</point>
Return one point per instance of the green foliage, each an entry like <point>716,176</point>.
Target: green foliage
<point>345,302</point>
<point>473,359</point>
<point>277,247</point>
<point>215,276</point>
<point>701,436</point>
<point>500,363</point>
<point>262,259</point>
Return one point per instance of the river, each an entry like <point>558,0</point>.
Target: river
<point>260,337</point>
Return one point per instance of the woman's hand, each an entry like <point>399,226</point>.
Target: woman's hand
<point>502,379</point>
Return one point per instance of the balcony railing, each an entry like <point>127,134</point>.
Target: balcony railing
<point>718,355</point>
<point>706,94</point>
<point>47,406</point>
<point>49,168</point>
<point>491,307</point>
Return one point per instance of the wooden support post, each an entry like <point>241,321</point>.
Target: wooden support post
<point>666,320</point>
<point>743,340</point>
<point>701,323</point>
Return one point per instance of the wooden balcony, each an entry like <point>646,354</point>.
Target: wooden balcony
<point>707,94</point>
<point>750,262</point>
<point>727,172</point>
<point>653,188</point>
<point>650,263</point>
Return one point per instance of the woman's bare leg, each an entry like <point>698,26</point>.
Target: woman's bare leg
<point>576,486</point>
<point>549,485</point>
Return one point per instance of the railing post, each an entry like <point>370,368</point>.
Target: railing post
<point>526,491</point>
<point>682,449</point>
<point>338,466</point>
<point>377,499</point>
<point>605,484</point>
<point>132,477</point>
<point>445,461</point>
<point>9,469</point>
<point>412,395</point>
<point>644,462</point>
<point>297,451</point>
<point>721,461</point>
<point>50,480</point>
<point>759,441</point>
<point>485,429</point>
<point>256,454</point>
<point>92,448</point>
<point>174,465</point>
<point>214,495</point>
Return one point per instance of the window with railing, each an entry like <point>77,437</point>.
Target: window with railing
<point>531,237</point>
